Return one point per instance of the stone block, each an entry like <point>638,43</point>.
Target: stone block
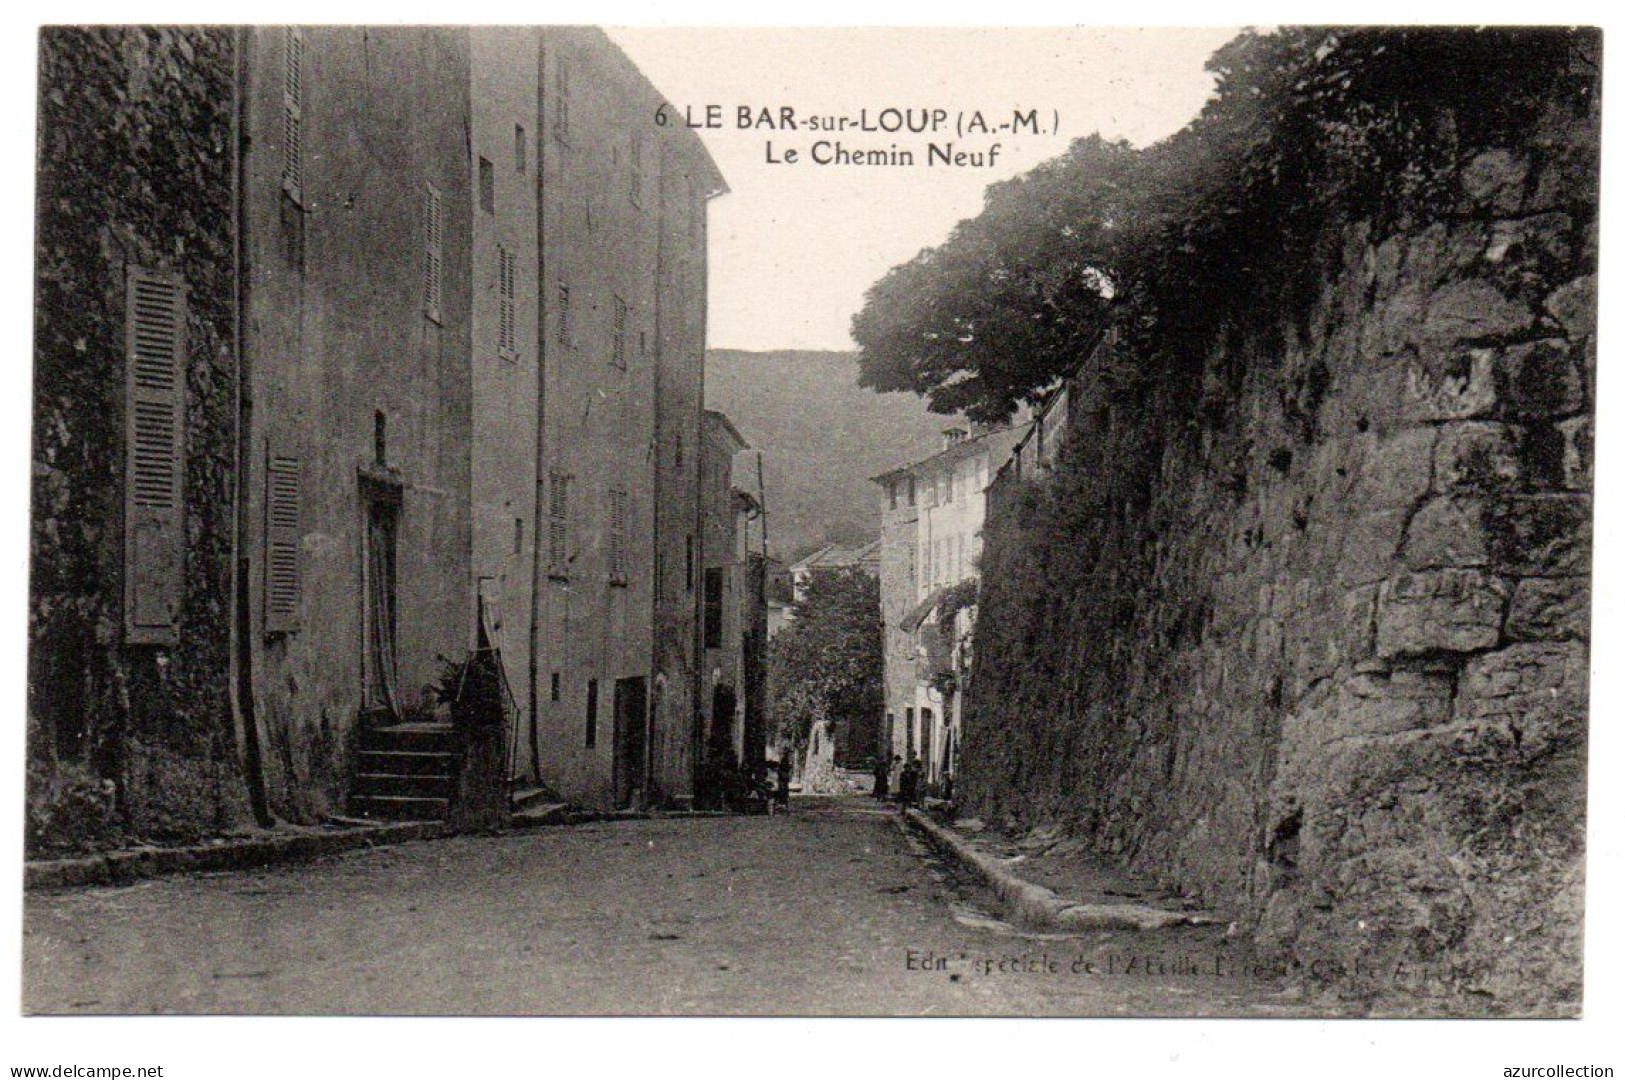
<point>1370,545</point>
<point>1539,379</point>
<point>1439,611</point>
<point>1357,627</point>
<point>1530,243</point>
<point>1475,455</point>
<point>1447,532</point>
<point>1541,535</point>
<point>1550,609</point>
<point>1574,306</point>
<point>1578,452</point>
<point>1494,181</point>
<point>1472,310</point>
<point>1454,384</point>
<point>1396,469</point>
<point>1535,691</point>
<point>1386,703</point>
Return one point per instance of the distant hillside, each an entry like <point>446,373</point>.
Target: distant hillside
<point>822,437</point>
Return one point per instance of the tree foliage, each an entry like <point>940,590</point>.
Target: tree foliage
<point>1177,238</point>
<point>827,663</point>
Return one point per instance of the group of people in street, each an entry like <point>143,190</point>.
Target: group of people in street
<point>910,779</point>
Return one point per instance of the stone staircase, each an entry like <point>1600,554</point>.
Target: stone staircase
<point>406,772</point>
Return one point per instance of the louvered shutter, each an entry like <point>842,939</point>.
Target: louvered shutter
<point>155,443</point>
<point>617,536</point>
<point>558,525</point>
<point>293,113</point>
<point>507,330</point>
<point>283,496</point>
<point>618,335</point>
<point>434,219</point>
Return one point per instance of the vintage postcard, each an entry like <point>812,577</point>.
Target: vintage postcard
<point>571,520</point>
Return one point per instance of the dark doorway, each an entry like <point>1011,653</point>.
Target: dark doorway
<point>631,722</point>
<point>724,705</point>
<point>379,602</point>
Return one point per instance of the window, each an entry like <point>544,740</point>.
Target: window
<point>679,461</point>
<point>617,536</point>
<point>713,607</point>
<point>507,309</point>
<point>617,351</point>
<point>518,536</point>
<point>911,491</point>
<point>434,221</point>
<point>592,713</point>
<point>488,186</point>
<point>925,566</point>
<point>561,102</point>
<point>558,525</point>
<point>154,462</point>
<point>519,153</point>
<point>553,690</point>
<point>282,587</point>
<point>564,316</point>
<point>293,113</point>
<point>380,438</point>
<point>891,493</point>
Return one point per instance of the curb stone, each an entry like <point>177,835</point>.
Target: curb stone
<point>1039,908</point>
<point>123,867</point>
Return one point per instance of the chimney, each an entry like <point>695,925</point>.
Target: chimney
<point>952,437</point>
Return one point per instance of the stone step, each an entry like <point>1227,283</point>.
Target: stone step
<point>540,814</point>
<point>419,785</point>
<point>522,798</point>
<point>440,738</point>
<point>407,762</point>
<point>399,808</point>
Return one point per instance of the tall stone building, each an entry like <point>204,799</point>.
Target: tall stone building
<point>331,322</point>
<point>931,514</point>
<point>730,733</point>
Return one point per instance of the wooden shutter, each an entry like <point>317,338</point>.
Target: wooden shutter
<point>617,536</point>
<point>558,525</point>
<point>282,511</point>
<point>434,221</point>
<point>507,330</point>
<point>155,447</point>
<point>618,337</point>
<point>293,113</point>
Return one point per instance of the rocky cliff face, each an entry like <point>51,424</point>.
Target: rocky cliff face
<point>1305,634</point>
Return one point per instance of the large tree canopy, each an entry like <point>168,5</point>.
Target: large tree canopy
<point>827,663</point>
<point>1186,234</point>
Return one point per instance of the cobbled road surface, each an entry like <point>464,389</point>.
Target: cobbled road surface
<point>830,909</point>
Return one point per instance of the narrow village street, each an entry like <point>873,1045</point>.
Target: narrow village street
<point>829,909</point>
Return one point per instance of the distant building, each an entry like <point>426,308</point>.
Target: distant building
<point>865,557</point>
<point>931,516</point>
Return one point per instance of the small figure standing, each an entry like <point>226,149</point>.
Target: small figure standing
<point>882,779</point>
<point>908,784</point>
<point>782,773</point>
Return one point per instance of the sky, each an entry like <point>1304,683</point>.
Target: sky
<point>793,245</point>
